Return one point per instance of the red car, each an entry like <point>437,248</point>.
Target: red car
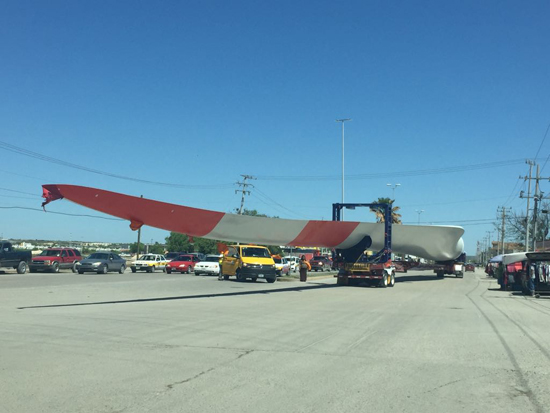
<point>54,259</point>
<point>183,263</point>
<point>470,267</point>
<point>320,263</point>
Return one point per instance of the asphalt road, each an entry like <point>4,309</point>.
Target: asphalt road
<point>181,343</point>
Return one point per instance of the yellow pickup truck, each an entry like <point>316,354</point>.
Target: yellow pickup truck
<point>248,262</point>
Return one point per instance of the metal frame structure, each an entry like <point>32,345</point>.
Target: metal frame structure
<point>384,254</point>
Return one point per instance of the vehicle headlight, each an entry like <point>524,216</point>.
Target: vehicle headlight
<point>47,262</point>
<point>245,264</point>
<point>96,264</point>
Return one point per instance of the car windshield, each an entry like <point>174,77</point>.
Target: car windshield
<point>212,259</point>
<point>50,253</point>
<point>255,252</point>
<point>184,258</point>
<point>277,260</point>
<point>99,256</point>
<point>147,258</point>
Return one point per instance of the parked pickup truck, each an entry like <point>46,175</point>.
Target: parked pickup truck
<point>18,260</point>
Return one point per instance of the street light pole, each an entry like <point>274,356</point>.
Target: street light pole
<point>393,189</point>
<point>419,211</point>
<point>342,120</point>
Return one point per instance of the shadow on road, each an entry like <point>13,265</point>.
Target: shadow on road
<point>415,278</point>
<point>189,297</point>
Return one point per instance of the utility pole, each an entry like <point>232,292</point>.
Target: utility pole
<point>536,197</point>
<point>535,210</point>
<point>503,210</point>
<point>139,237</point>
<point>488,243</point>
<point>243,185</point>
<point>530,163</point>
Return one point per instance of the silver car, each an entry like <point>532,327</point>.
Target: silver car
<point>102,263</point>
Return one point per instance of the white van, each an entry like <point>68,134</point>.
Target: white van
<point>294,263</point>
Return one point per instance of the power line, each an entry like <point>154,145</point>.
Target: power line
<point>513,193</point>
<point>459,221</point>
<point>61,213</point>
<point>543,139</point>
<point>397,174</point>
<point>271,202</point>
<point>18,197</point>
<point>452,202</point>
<point>25,152</point>
<point>20,192</point>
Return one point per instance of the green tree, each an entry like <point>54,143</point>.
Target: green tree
<point>177,242</point>
<point>395,216</point>
<point>156,248</point>
<point>133,247</point>
<point>206,246</point>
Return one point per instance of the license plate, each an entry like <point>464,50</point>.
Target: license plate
<point>260,275</point>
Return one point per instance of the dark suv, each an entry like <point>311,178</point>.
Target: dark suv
<point>54,259</point>
<point>320,263</point>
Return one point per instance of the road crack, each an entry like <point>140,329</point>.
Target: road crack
<point>202,373</point>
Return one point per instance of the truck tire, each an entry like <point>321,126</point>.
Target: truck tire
<point>392,280</point>
<point>73,268</point>
<point>460,275</point>
<point>55,267</point>
<point>440,274</point>
<point>383,281</point>
<point>134,269</point>
<point>342,281</point>
<point>22,267</point>
<point>240,277</point>
<point>271,280</point>
<point>226,277</point>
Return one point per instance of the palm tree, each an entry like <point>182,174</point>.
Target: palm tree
<point>395,216</point>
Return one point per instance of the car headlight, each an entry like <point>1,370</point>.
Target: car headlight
<point>245,264</point>
<point>47,262</point>
<point>96,264</point>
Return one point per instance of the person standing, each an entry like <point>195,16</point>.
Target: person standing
<point>304,267</point>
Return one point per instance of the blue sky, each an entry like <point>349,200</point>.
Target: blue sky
<point>200,92</point>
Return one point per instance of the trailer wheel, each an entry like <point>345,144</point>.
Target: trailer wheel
<point>392,280</point>
<point>460,275</point>
<point>342,281</point>
<point>383,281</point>
<point>440,274</point>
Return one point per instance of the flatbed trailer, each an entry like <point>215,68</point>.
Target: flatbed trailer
<point>380,274</point>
